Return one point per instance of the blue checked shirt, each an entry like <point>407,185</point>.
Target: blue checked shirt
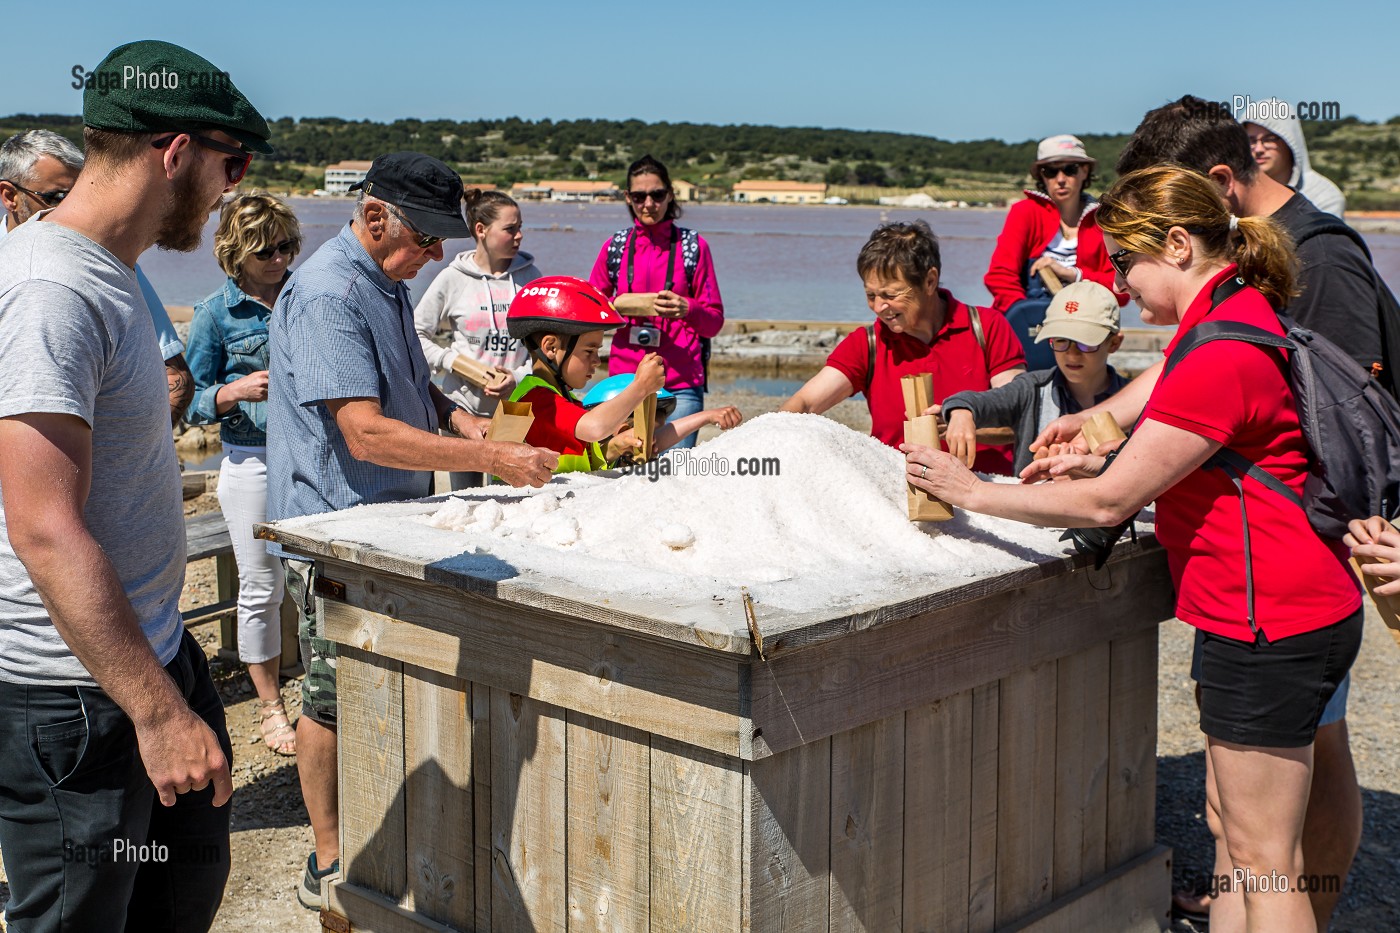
<point>341,329</point>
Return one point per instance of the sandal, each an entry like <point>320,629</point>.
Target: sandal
<point>277,731</point>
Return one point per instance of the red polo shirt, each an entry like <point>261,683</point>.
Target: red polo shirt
<point>954,358</point>
<point>556,420</point>
<point>1238,394</point>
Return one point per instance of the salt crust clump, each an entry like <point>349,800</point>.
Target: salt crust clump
<point>831,529</point>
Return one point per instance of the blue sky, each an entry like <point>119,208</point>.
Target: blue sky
<point>962,70</point>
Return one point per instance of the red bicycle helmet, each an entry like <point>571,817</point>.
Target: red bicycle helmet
<point>560,304</point>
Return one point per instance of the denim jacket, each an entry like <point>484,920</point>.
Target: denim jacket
<point>228,340</point>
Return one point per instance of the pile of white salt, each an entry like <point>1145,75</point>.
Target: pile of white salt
<point>829,532</point>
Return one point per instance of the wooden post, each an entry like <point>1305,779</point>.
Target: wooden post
<point>922,429</point>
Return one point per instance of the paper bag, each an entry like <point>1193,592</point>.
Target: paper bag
<point>1101,429</point>
<point>511,422</point>
<point>636,304</point>
<point>1385,605</point>
<point>477,373</point>
<point>644,425</point>
<point>922,506</point>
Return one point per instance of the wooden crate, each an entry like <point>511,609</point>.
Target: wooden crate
<point>979,759</point>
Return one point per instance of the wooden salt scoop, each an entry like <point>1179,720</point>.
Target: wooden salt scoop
<point>922,429</point>
<point>1385,605</point>
<point>636,304</point>
<point>478,373</point>
<point>1101,429</point>
<point>1051,280</point>
<point>644,424</point>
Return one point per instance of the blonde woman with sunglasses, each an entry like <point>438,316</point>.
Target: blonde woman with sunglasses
<point>257,240</point>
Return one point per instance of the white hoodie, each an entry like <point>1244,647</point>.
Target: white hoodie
<point>473,303</point>
<point>1306,180</point>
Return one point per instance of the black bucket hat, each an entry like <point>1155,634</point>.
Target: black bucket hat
<point>425,189</point>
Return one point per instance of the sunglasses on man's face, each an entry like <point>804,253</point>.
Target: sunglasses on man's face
<point>424,241</point>
<point>1070,170</point>
<point>46,198</point>
<point>1062,345</point>
<point>657,195</point>
<point>235,166</point>
<point>286,248</point>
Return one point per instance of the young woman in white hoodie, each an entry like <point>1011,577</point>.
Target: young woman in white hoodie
<point>470,298</point>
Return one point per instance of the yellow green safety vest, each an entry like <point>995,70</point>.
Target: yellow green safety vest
<point>568,463</point>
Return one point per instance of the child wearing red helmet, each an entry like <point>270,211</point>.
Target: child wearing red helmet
<point>562,320</point>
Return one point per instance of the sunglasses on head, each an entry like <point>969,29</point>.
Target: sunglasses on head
<point>286,247</point>
<point>235,166</point>
<point>1062,345</point>
<point>46,198</point>
<point>1070,170</point>
<point>640,197</point>
<point>424,241</point>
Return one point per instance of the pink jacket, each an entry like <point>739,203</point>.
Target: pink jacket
<point>680,338</point>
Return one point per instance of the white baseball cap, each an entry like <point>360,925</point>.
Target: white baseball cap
<point>1063,148</point>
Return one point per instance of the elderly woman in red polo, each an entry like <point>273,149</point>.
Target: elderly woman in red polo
<point>918,328</point>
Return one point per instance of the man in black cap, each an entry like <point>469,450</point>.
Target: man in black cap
<point>116,816</point>
<point>353,418</point>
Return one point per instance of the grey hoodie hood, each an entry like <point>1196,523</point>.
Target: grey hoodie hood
<point>1306,180</point>
<point>466,264</point>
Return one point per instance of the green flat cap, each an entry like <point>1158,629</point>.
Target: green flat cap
<point>156,87</point>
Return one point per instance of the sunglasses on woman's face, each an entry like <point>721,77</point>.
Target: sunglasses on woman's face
<point>657,195</point>
<point>286,248</point>
<point>1122,261</point>
<point>1070,170</point>
<point>1062,345</point>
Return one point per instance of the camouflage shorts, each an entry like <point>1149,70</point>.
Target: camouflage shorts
<point>317,653</point>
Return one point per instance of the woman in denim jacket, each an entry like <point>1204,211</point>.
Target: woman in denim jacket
<point>257,240</point>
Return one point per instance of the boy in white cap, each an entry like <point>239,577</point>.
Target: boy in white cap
<point>1082,328</point>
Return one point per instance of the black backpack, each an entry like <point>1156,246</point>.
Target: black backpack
<point>1351,424</point>
<point>1387,308</point>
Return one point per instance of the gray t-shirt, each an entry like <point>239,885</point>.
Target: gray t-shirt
<point>76,338</point>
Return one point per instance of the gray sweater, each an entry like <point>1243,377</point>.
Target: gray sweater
<point>1027,404</point>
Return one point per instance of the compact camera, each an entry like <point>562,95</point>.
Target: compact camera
<point>646,336</point>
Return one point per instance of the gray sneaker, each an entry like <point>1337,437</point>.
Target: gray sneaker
<point>309,894</point>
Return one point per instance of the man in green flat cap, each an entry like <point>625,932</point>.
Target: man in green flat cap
<point>116,818</point>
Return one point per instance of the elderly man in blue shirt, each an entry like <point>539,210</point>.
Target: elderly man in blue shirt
<point>352,418</point>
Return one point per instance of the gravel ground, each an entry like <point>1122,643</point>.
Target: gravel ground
<point>271,837</point>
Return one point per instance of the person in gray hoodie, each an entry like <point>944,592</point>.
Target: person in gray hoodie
<point>471,297</point>
<point>1279,148</point>
<point>1082,328</point>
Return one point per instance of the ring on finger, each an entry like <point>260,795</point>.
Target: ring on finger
<point>923,471</point>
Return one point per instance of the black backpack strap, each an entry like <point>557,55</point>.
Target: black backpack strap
<point>869,358</point>
<point>1237,477</point>
<point>616,245</point>
<point>1211,331</point>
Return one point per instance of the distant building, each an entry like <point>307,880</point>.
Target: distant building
<point>685,191</point>
<point>341,175</point>
<point>564,191</point>
<point>779,192</point>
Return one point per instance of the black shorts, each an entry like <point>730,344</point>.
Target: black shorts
<point>1272,695</point>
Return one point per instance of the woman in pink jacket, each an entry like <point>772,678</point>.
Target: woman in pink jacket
<point>668,268</point>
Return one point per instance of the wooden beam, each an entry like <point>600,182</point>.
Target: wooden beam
<point>1113,901</point>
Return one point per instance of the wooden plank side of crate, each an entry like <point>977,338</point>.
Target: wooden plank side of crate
<point>528,819</point>
<point>440,818</point>
<point>982,852</point>
<point>1026,797</point>
<point>371,772</point>
<point>609,830</point>
<point>809,693</point>
<point>1135,897</point>
<point>1132,747</point>
<point>1081,767</point>
<point>867,827</point>
<point>697,799</point>
<point>938,760</point>
<point>640,682</point>
<point>481,801</point>
<point>789,840</point>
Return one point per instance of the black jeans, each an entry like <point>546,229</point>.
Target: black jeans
<point>86,841</point>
